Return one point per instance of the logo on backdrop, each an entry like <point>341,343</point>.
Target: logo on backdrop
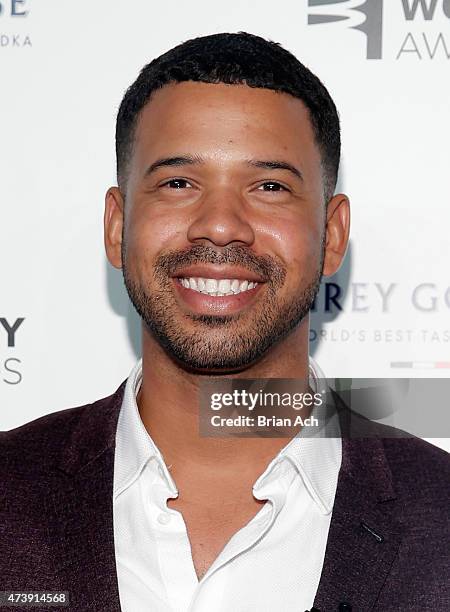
<point>367,17</point>
<point>12,14</point>
<point>381,297</point>
<point>10,366</point>
<point>375,301</point>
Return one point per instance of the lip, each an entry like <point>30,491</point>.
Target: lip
<point>201,303</point>
<point>218,272</point>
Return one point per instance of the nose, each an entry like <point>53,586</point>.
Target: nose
<point>221,218</point>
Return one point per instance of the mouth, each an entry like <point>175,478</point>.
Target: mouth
<point>208,295</point>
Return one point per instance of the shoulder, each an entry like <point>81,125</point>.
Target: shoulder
<point>403,449</point>
<point>420,471</point>
<point>405,452</point>
<point>32,448</point>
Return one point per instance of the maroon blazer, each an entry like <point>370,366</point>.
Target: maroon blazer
<point>387,548</point>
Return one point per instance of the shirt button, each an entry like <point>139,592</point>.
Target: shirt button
<point>163,518</point>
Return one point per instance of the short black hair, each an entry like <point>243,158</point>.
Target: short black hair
<point>234,58</point>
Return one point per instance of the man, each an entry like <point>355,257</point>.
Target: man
<point>223,221</point>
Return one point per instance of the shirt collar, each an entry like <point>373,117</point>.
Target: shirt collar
<point>315,453</point>
<point>317,458</point>
<point>134,445</point>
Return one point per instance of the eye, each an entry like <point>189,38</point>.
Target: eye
<point>176,183</point>
<point>272,186</point>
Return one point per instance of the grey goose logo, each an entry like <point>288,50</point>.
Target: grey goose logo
<point>12,13</point>
<point>365,16</point>
<point>14,8</point>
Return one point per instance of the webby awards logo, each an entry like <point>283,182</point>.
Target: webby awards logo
<point>367,17</point>
<point>426,40</point>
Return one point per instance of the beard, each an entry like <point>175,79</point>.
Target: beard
<point>220,342</point>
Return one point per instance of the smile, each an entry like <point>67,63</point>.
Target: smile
<point>220,296</point>
<point>217,287</point>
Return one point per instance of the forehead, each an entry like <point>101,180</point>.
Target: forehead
<point>224,119</point>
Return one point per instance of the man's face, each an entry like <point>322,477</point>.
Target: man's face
<point>225,182</point>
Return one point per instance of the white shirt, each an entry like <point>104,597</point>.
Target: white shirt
<point>273,563</point>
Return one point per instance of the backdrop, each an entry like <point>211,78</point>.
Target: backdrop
<point>67,332</point>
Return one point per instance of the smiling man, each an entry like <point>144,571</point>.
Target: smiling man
<point>224,220</point>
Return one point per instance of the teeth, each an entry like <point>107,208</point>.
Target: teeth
<point>235,286</point>
<point>224,285</point>
<point>214,287</point>
<point>211,285</point>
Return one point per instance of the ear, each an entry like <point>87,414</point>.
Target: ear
<point>337,233</point>
<point>113,223</point>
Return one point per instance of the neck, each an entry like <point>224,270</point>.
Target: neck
<point>168,406</point>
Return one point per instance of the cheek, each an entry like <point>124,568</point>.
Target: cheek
<point>297,242</point>
<point>147,236</point>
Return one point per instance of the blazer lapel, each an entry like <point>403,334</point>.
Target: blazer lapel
<point>365,531</point>
<point>82,503</point>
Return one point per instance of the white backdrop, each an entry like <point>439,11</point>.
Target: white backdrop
<point>64,67</point>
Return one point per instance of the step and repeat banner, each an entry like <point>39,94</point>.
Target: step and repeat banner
<point>68,334</point>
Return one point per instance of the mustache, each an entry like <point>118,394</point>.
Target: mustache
<point>168,264</point>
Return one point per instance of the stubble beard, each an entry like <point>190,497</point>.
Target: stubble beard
<point>220,342</point>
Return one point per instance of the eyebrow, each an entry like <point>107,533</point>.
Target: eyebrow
<point>179,160</point>
<point>276,165</point>
<point>189,160</point>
